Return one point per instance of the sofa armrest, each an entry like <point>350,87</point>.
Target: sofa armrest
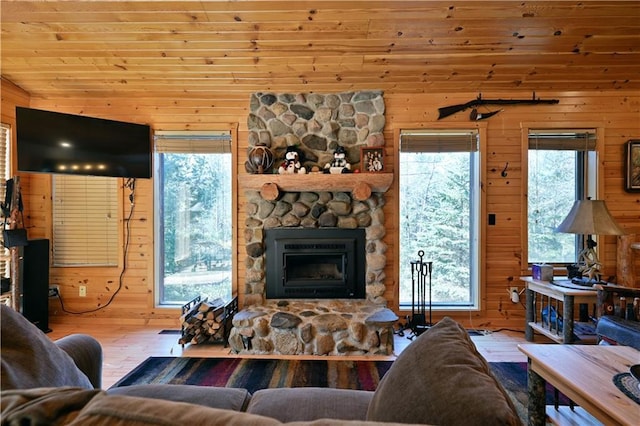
<point>86,353</point>
<point>235,399</point>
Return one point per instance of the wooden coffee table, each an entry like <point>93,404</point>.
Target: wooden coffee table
<point>583,373</point>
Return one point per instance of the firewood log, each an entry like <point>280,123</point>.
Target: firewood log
<point>361,191</point>
<point>270,191</point>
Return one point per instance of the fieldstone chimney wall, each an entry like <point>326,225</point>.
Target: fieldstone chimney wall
<point>316,124</point>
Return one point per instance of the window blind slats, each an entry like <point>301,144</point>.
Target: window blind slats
<point>439,141</point>
<point>85,221</point>
<point>4,154</point>
<point>192,142</point>
<point>566,139</point>
<point>5,173</point>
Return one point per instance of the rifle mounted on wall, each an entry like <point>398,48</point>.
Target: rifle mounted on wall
<point>453,109</point>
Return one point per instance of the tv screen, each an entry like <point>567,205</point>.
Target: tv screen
<point>53,142</point>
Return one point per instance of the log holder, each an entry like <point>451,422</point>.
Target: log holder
<point>229,310</point>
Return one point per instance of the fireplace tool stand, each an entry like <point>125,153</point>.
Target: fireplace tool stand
<point>421,272</point>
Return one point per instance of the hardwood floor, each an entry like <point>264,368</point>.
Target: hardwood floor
<point>126,346</point>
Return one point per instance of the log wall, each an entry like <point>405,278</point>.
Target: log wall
<point>614,112</point>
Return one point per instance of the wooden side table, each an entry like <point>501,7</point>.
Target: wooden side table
<point>536,293</point>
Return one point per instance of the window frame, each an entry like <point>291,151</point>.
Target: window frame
<point>477,304</point>
<point>5,172</point>
<point>594,182</point>
<point>185,135</point>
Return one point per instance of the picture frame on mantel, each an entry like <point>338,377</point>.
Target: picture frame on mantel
<point>371,160</point>
<point>632,166</point>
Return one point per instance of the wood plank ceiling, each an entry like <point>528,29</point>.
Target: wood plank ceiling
<point>224,48</point>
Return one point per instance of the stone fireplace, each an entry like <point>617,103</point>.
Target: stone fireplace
<point>315,210</point>
<point>348,321</point>
<point>314,325</point>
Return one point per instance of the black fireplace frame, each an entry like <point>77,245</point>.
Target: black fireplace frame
<point>284,243</point>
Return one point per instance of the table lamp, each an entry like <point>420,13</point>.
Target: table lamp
<point>589,217</point>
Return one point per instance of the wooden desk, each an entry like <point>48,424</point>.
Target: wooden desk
<point>569,298</point>
<point>584,373</point>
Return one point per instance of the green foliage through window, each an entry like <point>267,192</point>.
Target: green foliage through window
<point>562,168</point>
<point>551,195</point>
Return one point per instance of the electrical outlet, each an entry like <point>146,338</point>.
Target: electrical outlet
<point>83,291</point>
<point>54,290</point>
<point>514,294</point>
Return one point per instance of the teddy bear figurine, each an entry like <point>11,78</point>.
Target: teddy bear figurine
<point>339,164</point>
<point>292,162</point>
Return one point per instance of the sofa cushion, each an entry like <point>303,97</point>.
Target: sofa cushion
<point>440,378</point>
<point>31,360</point>
<point>334,422</point>
<point>75,406</point>
<point>309,403</point>
<point>225,398</point>
<point>118,410</point>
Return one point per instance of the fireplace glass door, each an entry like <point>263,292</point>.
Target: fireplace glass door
<point>315,263</point>
<point>314,269</point>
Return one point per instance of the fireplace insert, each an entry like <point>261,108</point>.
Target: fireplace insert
<point>316,263</point>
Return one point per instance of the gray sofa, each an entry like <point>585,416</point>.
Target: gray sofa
<point>440,378</point>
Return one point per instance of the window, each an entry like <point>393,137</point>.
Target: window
<point>439,213</point>
<point>5,173</point>
<point>194,228</point>
<point>85,221</point>
<point>561,169</point>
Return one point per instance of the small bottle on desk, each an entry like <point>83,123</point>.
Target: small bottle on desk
<point>630,314</point>
<point>617,310</point>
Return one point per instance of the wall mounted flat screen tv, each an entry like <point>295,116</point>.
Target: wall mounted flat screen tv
<point>53,142</point>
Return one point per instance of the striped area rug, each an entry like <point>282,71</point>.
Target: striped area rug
<point>256,374</point>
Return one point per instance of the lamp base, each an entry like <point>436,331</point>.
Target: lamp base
<point>573,271</point>
<point>588,261</point>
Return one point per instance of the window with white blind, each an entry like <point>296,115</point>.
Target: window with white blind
<point>5,173</point>
<point>194,220</point>
<point>562,168</point>
<point>440,207</point>
<point>85,221</point>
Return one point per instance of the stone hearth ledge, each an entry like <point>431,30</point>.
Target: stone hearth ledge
<point>313,327</point>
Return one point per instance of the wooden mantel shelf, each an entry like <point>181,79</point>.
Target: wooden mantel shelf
<point>318,182</point>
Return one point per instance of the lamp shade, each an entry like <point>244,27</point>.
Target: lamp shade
<point>590,217</point>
